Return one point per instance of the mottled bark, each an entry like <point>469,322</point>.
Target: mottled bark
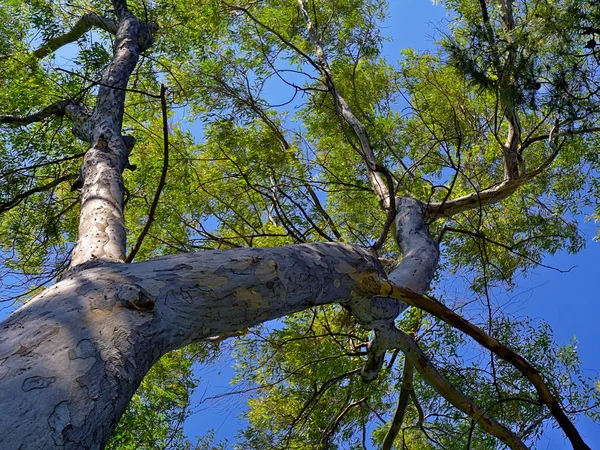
<point>72,357</point>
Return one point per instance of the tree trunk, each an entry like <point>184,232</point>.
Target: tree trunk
<point>72,357</point>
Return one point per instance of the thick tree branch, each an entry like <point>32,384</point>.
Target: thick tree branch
<point>82,26</point>
<point>420,257</point>
<point>101,233</point>
<point>90,339</point>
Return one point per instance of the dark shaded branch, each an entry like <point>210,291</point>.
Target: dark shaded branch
<point>507,247</point>
<point>55,109</point>
<point>407,387</point>
<point>329,432</point>
<point>42,164</point>
<point>163,177</point>
<point>46,187</point>
<point>319,393</point>
<point>107,85</point>
<point>527,142</point>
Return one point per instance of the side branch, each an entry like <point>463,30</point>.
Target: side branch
<point>442,312</point>
<point>75,111</point>
<point>46,187</point>
<point>415,356</point>
<point>405,391</point>
<point>492,194</point>
<point>55,109</point>
<point>384,192</point>
<point>163,177</point>
<point>82,26</point>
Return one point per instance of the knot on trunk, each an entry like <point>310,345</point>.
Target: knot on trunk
<point>145,35</point>
<point>135,298</point>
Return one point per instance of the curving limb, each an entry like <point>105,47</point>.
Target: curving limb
<point>375,171</point>
<point>399,339</point>
<point>55,109</point>
<point>74,110</point>
<point>405,392</point>
<point>5,206</point>
<point>444,313</point>
<point>163,177</point>
<point>493,194</point>
<point>420,256</point>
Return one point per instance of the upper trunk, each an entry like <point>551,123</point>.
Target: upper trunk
<point>101,224</point>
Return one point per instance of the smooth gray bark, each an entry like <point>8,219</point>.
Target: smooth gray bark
<point>72,357</point>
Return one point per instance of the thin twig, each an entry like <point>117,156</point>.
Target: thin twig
<point>163,176</point>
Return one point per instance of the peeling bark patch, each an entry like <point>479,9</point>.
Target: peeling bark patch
<point>58,421</point>
<point>215,281</point>
<point>176,268</point>
<point>344,267</point>
<point>267,271</point>
<point>37,382</point>
<point>22,351</point>
<point>253,298</point>
<point>241,264</point>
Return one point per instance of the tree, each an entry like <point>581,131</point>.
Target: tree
<point>345,220</point>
